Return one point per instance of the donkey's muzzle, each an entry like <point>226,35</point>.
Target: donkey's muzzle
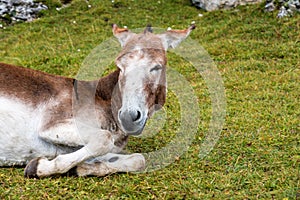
<point>132,121</point>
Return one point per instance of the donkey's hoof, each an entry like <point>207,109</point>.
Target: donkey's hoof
<point>31,168</point>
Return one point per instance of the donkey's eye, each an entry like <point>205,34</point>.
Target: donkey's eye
<point>156,68</point>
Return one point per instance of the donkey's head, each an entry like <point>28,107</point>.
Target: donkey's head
<point>142,78</point>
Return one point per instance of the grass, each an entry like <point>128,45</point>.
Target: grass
<point>258,56</point>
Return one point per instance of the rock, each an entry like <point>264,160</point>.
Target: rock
<point>269,7</point>
<point>286,7</point>
<point>210,5</point>
<point>24,10</point>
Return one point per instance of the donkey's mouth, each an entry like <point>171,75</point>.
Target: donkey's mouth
<point>136,132</point>
<point>132,128</point>
<point>135,129</point>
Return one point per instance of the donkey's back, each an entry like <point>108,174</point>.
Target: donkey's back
<point>25,97</point>
<point>30,86</point>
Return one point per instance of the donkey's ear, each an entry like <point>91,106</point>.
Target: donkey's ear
<point>172,38</point>
<point>122,34</point>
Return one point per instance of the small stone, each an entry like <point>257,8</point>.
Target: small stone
<point>282,12</point>
<point>269,7</point>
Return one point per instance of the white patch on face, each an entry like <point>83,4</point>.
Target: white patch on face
<point>138,72</point>
<point>133,88</point>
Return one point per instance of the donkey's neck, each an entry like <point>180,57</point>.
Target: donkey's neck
<point>107,84</point>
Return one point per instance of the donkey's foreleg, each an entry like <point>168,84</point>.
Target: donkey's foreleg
<point>111,163</point>
<point>100,144</point>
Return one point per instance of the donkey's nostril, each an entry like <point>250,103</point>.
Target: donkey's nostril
<point>135,116</point>
<point>138,115</point>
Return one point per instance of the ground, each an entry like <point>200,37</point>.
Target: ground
<point>258,57</point>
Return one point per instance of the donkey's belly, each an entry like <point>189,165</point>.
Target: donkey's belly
<point>19,141</point>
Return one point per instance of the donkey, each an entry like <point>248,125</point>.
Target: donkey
<point>56,125</point>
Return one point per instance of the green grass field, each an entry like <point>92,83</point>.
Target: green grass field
<point>258,56</point>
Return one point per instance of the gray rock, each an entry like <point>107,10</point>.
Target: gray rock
<point>25,10</point>
<point>270,6</point>
<point>286,7</point>
<point>210,5</point>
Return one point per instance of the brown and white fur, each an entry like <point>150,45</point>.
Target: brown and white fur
<point>39,112</point>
